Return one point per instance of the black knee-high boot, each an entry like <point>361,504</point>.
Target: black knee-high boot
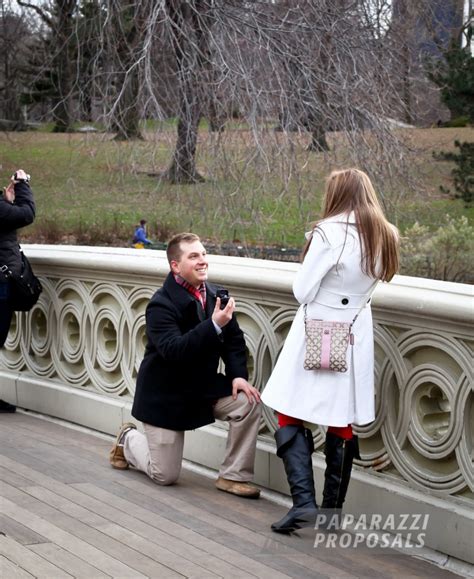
<point>295,446</point>
<point>340,454</point>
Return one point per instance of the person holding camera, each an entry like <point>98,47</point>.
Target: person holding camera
<point>190,327</point>
<point>17,209</point>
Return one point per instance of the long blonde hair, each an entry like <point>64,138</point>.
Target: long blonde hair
<point>351,190</point>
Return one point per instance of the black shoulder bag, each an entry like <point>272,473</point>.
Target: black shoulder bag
<point>25,287</point>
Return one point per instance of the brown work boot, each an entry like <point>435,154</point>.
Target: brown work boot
<point>239,488</point>
<point>116,456</point>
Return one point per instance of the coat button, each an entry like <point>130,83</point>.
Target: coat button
<point>344,301</point>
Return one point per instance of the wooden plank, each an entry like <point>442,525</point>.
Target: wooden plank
<point>108,505</point>
<point>153,550</point>
<point>15,479</point>
<point>222,511</point>
<point>9,570</point>
<point>37,458</point>
<point>225,535</point>
<point>293,571</point>
<point>59,458</point>
<point>43,462</point>
<point>69,541</point>
<point>247,549</point>
<point>233,510</point>
<point>245,540</point>
<point>29,561</point>
<point>244,563</point>
<point>154,514</point>
<point>62,464</point>
<point>341,560</point>
<point>97,507</point>
<point>219,509</point>
<point>349,561</point>
<point>67,561</point>
<point>18,532</point>
<point>54,434</point>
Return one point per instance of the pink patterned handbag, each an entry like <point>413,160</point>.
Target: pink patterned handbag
<point>327,342</point>
<point>326,345</point>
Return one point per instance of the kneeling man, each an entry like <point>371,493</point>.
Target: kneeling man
<point>179,387</point>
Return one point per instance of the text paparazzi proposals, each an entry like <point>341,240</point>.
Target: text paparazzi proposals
<point>372,531</point>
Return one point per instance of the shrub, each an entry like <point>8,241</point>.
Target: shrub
<point>446,254</point>
<point>463,173</point>
<point>457,122</point>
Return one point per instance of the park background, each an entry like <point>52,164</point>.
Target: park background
<point>224,118</point>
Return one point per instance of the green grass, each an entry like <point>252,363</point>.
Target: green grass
<point>91,189</point>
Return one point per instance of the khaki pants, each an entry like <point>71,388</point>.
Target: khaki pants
<point>159,452</point>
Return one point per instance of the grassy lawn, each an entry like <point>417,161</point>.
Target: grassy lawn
<point>91,189</point>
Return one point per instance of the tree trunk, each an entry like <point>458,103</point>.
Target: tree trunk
<point>127,34</point>
<point>62,110</point>
<point>87,103</point>
<point>318,140</point>
<point>63,66</point>
<point>216,122</point>
<point>406,93</point>
<point>191,45</point>
<point>126,122</point>
<point>183,167</point>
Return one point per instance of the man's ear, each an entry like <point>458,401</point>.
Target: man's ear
<point>174,266</point>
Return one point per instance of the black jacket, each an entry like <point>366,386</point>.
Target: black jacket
<point>12,217</point>
<point>178,380</point>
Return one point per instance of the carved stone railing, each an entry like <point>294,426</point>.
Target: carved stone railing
<point>86,337</point>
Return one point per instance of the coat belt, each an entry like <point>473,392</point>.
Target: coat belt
<point>340,300</point>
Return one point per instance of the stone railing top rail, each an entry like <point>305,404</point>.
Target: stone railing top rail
<point>410,295</point>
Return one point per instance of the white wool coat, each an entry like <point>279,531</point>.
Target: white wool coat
<point>334,287</point>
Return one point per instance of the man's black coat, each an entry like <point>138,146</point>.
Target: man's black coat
<point>178,380</point>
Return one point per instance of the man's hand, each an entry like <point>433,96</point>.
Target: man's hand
<point>241,385</point>
<point>9,193</point>
<point>20,175</point>
<point>223,317</point>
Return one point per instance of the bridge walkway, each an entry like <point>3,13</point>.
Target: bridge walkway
<point>66,513</point>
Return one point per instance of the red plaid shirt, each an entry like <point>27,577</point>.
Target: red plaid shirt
<point>199,293</point>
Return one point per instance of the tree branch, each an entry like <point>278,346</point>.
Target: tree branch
<point>41,13</point>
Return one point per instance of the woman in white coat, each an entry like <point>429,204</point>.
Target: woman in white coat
<point>348,251</point>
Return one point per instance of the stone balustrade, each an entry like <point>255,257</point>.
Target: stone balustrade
<point>77,353</point>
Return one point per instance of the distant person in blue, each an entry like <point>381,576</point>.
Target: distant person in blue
<point>139,237</point>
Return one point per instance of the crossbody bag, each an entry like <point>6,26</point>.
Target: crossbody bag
<point>25,287</point>
<point>327,342</point>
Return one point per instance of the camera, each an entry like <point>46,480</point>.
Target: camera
<point>223,294</point>
<point>21,179</point>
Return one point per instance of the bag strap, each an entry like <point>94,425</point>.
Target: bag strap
<point>366,301</point>
<point>369,297</point>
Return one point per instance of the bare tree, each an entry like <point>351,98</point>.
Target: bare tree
<point>190,28</point>
<point>13,32</point>
<point>124,45</point>
<point>91,59</point>
<point>58,16</point>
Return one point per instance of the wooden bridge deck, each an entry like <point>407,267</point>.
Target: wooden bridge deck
<point>66,513</point>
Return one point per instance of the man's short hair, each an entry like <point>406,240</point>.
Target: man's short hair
<point>174,251</point>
